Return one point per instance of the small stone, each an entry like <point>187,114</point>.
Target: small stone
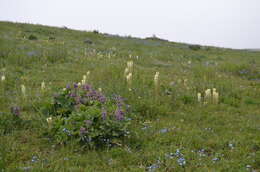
<point>88,41</point>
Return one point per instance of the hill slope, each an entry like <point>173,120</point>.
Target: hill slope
<point>172,130</point>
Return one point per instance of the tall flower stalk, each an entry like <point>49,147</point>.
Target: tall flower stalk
<point>2,78</point>
<point>23,90</point>
<point>129,80</point>
<point>43,86</point>
<point>215,96</point>
<point>156,83</point>
<point>199,97</point>
<point>207,97</point>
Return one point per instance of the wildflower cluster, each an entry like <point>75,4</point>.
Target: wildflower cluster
<point>209,96</point>
<point>128,73</point>
<point>84,78</point>
<point>81,113</point>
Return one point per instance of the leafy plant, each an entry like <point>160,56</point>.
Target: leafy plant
<point>10,121</point>
<point>194,47</point>
<point>32,37</point>
<point>83,114</point>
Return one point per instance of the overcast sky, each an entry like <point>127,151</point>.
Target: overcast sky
<point>225,23</point>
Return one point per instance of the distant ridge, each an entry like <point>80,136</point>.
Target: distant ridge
<point>256,49</point>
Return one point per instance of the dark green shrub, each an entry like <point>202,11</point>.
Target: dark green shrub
<point>194,47</point>
<point>32,37</point>
<point>52,38</point>
<point>86,116</point>
<point>95,31</point>
<point>10,121</point>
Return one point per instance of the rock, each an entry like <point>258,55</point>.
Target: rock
<point>88,41</point>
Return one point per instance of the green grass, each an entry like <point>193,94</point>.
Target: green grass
<point>228,131</point>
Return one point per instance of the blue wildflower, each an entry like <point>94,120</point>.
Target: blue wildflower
<point>215,159</point>
<point>34,159</point>
<point>165,130</point>
<point>66,131</point>
<point>181,161</point>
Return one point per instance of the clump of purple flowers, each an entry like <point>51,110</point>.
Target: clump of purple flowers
<point>119,114</point>
<point>84,93</point>
<point>91,117</point>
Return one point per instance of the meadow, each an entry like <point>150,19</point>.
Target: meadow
<point>175,122</point>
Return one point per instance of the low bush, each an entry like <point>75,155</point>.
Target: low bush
<point>32,37</point>
<point>194,47</point>
<point>10,121</point>
<point>85,115</point>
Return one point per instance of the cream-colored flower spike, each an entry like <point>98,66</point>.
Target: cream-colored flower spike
<point>43,86</point>
<point>156,78</point>
<point>130,66</point>
<point>83,81</point>
<point>3,78</point>
<point>49,120</point>
<point>215,96</point>
<point>126,72</point>
<point>207,95</point>
<point>129,79</point>
<point>100,89</point>
<point>23,89</point>
<point>156,82</point>
<point>199,97</point>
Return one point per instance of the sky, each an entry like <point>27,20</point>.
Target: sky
<point>223,23</point>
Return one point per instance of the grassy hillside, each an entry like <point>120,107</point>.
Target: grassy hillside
<point>170,129</point>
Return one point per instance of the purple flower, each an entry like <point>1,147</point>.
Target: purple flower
<point>72,95</point>
<point>104,114</point>
<point>119,101</point>
<point>82,130</point>
<point>15,110</point>
<point>102,99</point>
<point>92,94</point>
<point>119,114</point>
<point>68,86</point>
<point>87,87</point>
<point>76,85</point>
